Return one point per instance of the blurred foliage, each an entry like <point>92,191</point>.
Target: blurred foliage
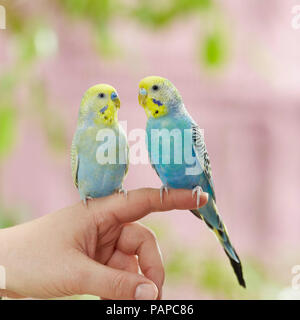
<point>9,217</point>
<point>208,273</point>
<point>214,50</point>
<point>7,132</point>
<point>214,275</point>
<point>8,115</point>
<point>155,14</point>
<point>51,122</point>
<point>33,41</point>
<point>99,14</point>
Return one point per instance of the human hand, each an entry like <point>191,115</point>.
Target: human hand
<point>95,250</point>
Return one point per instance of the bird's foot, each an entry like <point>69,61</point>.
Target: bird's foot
<point>197,190</point>
<point>124,191</point>
<point>86,199</point>
<point>161,192</point>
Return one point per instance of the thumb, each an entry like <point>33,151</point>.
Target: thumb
<point>103,281</point>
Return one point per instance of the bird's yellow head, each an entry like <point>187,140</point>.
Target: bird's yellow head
<point>157,96</point>
<point>101,103</point>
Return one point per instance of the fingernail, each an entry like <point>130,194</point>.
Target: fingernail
<point>146,292</point>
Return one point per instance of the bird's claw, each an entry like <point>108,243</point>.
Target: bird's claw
<point>85,200</point>
<point>198,190</point>
<point>161,192</point>
<point>124,191</point>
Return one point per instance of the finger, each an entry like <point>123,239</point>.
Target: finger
<point>136,239</point>
<point>103,281</point>
<point>10,294</point>
<point>123,261</point>
<point>140,202</point>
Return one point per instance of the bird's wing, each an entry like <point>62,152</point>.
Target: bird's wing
<point>202,155</point>
<point>74,163</point>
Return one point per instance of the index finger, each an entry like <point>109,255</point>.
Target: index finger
<point>141,202</point>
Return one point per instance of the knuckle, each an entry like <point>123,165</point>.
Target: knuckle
<point>150,235</point>
<point>144,232</point>
<point>99,218</point>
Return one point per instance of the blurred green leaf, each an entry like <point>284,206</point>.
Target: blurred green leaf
<point>95,11</point>
<point>215,277</point>
<point>8,217</point>
<point>160,229</point>
<point>152,13</point>
<point>105,44</point>
<point>6,222</point>
<point>56,132</point>
<point>7,83</point>
<point>7,131</point>
<point>26,47</point>
<point>214,50</point>
<point>177,264</point>
<point>15,18</point>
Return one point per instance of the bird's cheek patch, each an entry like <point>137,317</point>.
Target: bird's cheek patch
<point>157,102</point>
<point>156,108</point>
<point>104,109</point>
<point>106,115</point>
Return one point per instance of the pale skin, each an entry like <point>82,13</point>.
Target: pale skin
<point>95,249</point>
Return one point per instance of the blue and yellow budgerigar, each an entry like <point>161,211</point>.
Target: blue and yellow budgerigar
<point>168,118</point>
<point>99,152</point>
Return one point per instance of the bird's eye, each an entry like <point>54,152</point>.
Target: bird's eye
<point>101,95</point>
<point>155,87</point>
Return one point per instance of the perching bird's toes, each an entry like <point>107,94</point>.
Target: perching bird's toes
<point>124,191</point>
<point>85,200</point>
<point>198,190</point>
<point>161,192</point>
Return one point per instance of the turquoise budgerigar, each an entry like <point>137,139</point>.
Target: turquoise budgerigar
<point>168,118</point>
<point>99,152</point>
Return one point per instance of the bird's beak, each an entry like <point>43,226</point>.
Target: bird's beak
<point>114,97</point>
<point>142,96</point>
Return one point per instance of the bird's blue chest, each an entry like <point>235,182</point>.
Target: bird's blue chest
<point>170,147</point>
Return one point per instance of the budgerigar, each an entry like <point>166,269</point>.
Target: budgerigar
<point>99,153</point>
<point>165,110</point>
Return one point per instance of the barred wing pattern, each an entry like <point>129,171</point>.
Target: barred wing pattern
<point>202,154</point>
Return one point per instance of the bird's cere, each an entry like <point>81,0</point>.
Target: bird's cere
<point>143,92</point>
<point>113,95</point>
